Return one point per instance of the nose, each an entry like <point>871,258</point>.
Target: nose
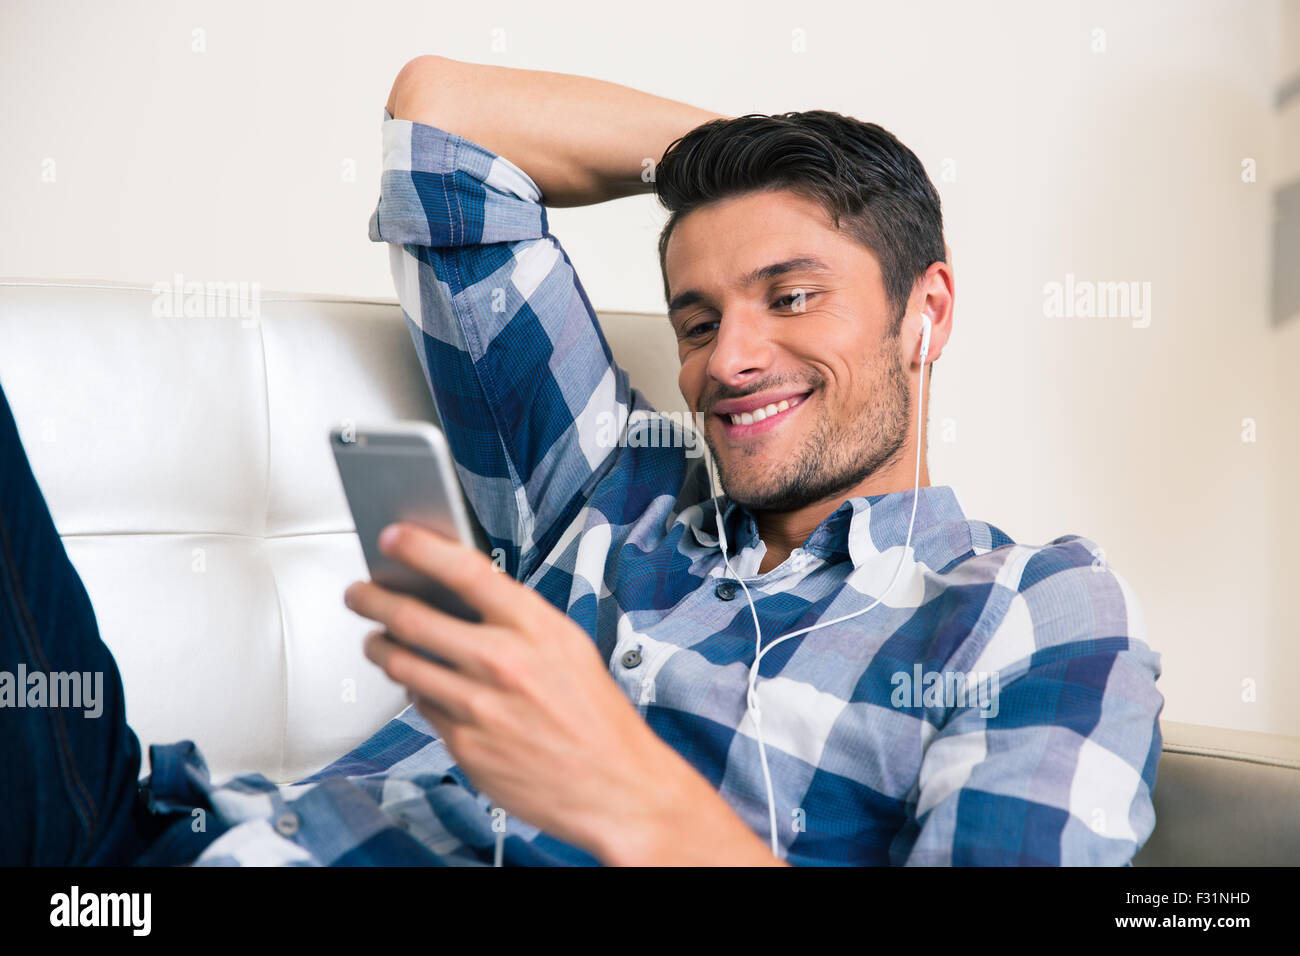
<point>741,352</point>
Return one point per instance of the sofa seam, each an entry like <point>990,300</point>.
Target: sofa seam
<point>275,580</point>
<point>214,534</point>
<point>324,298</point>
<point>1282,763</point>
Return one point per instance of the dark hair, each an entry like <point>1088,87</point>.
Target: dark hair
<point>859,172</point>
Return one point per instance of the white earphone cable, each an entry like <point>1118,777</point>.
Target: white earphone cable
<point>752,704</point>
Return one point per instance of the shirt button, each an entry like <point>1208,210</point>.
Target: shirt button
<point>632,658</point>
<point>286,824</point>
<point>725,590</point>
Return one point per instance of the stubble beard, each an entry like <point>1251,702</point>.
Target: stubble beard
<point>836,456</point>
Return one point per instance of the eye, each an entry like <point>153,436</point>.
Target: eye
<point>790,300</point>
<point>695,331</point>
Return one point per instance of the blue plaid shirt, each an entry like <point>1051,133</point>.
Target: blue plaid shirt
<point>876,755</point>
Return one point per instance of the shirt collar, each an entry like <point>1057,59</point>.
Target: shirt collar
<point>859,529</point>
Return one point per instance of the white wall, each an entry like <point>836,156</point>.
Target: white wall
<point>258,159</point>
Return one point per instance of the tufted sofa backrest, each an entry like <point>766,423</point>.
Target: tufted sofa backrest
<point>185,460</point>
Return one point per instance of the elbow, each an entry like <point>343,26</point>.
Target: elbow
<point>416,87</point>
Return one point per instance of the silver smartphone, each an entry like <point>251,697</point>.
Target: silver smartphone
<point>403,471</point>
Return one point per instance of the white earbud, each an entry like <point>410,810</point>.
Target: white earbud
<point>925,336</point>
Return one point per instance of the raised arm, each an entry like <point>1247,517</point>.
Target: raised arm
<point>581,140</point>
<point>523,378</point>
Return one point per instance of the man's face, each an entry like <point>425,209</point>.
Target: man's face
<point>815,335</point>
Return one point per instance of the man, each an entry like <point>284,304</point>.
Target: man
<point>982,702</point>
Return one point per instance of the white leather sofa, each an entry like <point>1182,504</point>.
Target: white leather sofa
<point>186,464</point>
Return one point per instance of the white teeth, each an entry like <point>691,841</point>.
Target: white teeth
<point>749,418</point>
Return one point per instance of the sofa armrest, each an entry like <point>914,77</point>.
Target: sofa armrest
<point>1225,798</point>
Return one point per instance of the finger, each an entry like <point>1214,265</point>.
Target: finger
<point>466,571</point>
<point>460,643</point>
<point>442,720</point>
<point>425,680</point>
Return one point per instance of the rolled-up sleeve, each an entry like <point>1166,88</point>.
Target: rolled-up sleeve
<point>518,367</point>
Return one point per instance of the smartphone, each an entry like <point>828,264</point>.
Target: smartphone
<point>403,471</point>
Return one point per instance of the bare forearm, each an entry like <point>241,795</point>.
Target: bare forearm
<point>581,140</point>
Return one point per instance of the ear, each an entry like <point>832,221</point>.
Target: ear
<point>932,296</point>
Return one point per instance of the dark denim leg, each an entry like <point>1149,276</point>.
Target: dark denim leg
<point>68,791</point>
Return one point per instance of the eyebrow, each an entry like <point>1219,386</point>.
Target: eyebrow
<point>762,274</point>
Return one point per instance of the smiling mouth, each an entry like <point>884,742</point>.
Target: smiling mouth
<point>760,420</point>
